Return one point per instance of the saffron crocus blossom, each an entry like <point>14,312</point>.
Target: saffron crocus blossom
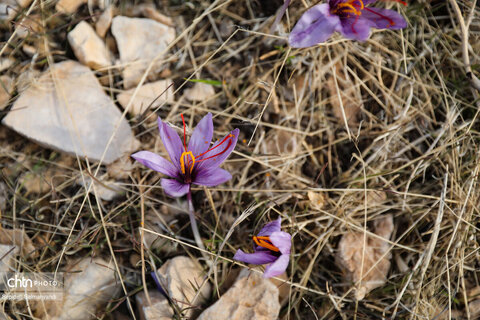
<point>198,163</point>
<point>352,18</point>
<point>272,247</point>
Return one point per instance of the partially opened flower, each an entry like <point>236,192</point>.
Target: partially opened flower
<point>352,18</point>
<point>198,163</point>
<point>272,248</point>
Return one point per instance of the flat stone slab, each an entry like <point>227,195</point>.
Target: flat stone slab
<point>70,112</point>
<point>140,41</point>
<point>251,297</point>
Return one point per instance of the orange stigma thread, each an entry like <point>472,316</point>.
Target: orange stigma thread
<point>351,6</point>
<point>262,242</point>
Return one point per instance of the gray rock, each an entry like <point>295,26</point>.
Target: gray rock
<point>159,309</point>
<point>69,6</point>
<point>72,114</point>
<point>10,8</point>
<point>181,278</point>
<point>5,63</point>
<point>86,291</point>
<point>139,41</point>
<point>104,22</point>
<point>88,47</point>
<point>251,297</point>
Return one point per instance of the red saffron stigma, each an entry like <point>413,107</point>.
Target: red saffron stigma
<point>353,24</point>
<point>399,1</point>
<point>228,137</point>
<point>184,132</point>
<point>216,155</point>
<point>382,16</point>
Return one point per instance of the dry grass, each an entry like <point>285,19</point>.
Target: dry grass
<point>407,129</point>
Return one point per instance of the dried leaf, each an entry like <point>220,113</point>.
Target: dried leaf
<point>350,96</point>
<point>375,257</point>
<point>317,199</point>
<point>18,238</point>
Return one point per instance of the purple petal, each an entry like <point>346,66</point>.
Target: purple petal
<point>316,25</point>
<point>157,283</point>
<point>281,240</point>
<point>356,28</point>
<point>202,136</point>
<point>156,162</point>
<point>384,18</point>
<point>278,267</point>
<point>172,142</point>
<point>218,154</point>
<point>254,258</point>
<point>270,228</point>
<point>211,178</point>
<point>173,188</point>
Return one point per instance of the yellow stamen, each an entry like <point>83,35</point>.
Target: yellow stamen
<point>182,161</point>
<point>361,3</point>
<point>262,242</point>
<point>349,5</point>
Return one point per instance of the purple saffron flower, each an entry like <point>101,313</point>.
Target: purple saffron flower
<point>196,163</point>
<point>272,247</point>
<point>349,17</point>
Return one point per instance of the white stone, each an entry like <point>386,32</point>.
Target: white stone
<point>200,92</point>
<point>88,47</point>
<point>163,89</point>
<point>181,278</point>
<point>251,297</point>
<point>159,309</point>
<point>139,42</point>
<point>6,63</point>
<point>104,22</point>
<point>69,6</point>
<point>10,8</point>
<point>72,114</point>
<point>87,290</point>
